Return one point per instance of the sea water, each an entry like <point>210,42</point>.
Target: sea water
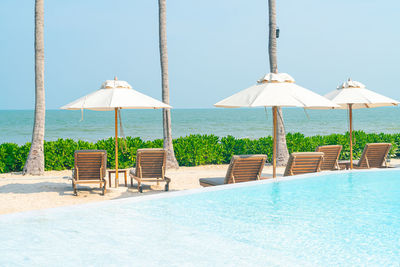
<point>16,126</point>
<point>335,219</point>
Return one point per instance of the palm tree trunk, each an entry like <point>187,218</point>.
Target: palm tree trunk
<point>167,132</point>
<point>282,151</point>
<point>34,164</point>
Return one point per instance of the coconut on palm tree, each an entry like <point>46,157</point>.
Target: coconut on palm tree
<point>35,162</point>
<point>167,131</point>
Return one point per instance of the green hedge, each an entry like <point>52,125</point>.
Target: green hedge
<point>191,150</point>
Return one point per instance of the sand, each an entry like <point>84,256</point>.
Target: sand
<point>22,193</point>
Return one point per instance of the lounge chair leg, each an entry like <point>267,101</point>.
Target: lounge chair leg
<point>74,188</point>
<point>167,181</point>
<point>104,189</point>
<point>140,188</point>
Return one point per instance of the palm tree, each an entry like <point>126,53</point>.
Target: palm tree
<point>35,162</point>
<point>167,132</point>
<point>281,147</point>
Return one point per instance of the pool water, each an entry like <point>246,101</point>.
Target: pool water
<point>337,219</point>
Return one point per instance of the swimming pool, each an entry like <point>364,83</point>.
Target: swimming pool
<point>335,219</point>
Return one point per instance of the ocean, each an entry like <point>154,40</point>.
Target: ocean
<point>16,125</point>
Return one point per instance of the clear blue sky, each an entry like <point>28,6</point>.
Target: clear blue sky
<point>216,47</point>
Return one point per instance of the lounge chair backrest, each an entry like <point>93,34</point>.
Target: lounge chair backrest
<point>303,162</point>
<point>374,155</point>
<point>150,162</point>
<point>331,157</point>
<point>90,164</point>
<point>244,168</point>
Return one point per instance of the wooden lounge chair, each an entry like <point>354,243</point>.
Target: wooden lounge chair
<point>303,162</point>
<point>331,157</point>
<point>90,168</point>
<point>242,168</point>
<point>150,167</point>
<point>373,156</point>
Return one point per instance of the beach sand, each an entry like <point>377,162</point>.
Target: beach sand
<point>22,193</point>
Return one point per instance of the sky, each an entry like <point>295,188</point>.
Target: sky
<point>216,47</point>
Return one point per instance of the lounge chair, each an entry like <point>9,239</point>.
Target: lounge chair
<point>303,162</point>
<point>150,167</point>
<point>90,168</point>
<point>242,168</point>
<point>373,156</point>
<point>331,157</point>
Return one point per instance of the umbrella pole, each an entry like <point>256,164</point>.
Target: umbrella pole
<point>274,110</point>
<point>351,135</point>
<point>116,147</point>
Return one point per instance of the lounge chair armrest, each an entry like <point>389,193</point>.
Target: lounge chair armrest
<point>75,173</point>
<point>134,177</point>
<point>386,163</point>
<point>132,172</point>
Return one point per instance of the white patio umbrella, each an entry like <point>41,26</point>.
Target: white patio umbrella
<point>115,95</point>
<point>275,90</point>
<point>353,95</point>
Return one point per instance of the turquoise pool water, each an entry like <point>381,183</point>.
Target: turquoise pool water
<point>338,219</point>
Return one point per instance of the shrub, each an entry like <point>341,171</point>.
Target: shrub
<point>191,150</point>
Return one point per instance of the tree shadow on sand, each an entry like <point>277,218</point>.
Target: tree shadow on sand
<point>63,189</point>
<point>132,191</point>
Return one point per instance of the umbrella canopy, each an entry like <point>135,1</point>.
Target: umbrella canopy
<point>353,95</point>
<point>115,95</point>
<point>276,90</point>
